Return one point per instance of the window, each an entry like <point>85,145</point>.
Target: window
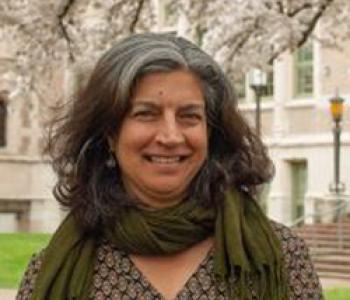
<point>303,74</point>
<point>239,86</point>
<point>239,83</point>
<point>298,187</point>
<point>3,121</point>
<point>267,92</point>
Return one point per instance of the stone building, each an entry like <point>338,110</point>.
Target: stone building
<point>296,127</point>
<point>25,177</point>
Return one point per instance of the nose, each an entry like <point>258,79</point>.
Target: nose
<point>169,133</point>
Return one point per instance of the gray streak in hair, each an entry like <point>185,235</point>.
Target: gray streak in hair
<point>79,146</point>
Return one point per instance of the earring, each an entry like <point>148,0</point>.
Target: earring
<point>111,162</point>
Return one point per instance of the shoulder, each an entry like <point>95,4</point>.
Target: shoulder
<point>28,281</point>
<point>288,239</point>
<point>294,249</point>
<point>301,274</point>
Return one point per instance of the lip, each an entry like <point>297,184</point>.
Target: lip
<point>166,159</point>
<point>167,154</point>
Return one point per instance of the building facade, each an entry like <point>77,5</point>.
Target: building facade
<point>26,178</point>
<point>296,127</point>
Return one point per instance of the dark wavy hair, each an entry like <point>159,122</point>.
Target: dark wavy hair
<point>78,139</point>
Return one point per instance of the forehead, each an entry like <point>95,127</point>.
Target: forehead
<point>180,85</point>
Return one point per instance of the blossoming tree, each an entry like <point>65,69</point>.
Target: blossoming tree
<point>41,36</point>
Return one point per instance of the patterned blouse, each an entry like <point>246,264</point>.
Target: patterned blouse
<point>116,277</point>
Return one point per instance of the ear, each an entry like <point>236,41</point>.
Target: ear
<point>111,142</point>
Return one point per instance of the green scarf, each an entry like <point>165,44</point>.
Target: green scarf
<point>245,245</point>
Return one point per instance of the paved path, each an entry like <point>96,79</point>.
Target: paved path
<point>331,283</point>
<point>326,283</point>
<point>7,294</point>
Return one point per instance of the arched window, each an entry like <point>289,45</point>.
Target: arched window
<point>3,121</point>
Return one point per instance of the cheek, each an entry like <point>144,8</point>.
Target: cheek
<point>199,142</point>
<point>203,139</point>
<point>131,138</point>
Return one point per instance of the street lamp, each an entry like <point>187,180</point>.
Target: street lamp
<point>337,107</point>
<point>257,82</point>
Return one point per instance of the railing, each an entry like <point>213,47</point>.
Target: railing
<point>339,211</point>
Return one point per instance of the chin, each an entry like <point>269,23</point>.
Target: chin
<point>169,191</point>
<point>168,186</point>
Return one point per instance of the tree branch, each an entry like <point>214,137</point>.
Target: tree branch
<point>293,13</point>
<point>280,6</point>
<point>137,16</point>
<point>307,32</point>
<point>244,39</point>
<point>313,22</point>
<point>65,9</point>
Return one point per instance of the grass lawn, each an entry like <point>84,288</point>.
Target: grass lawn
<point>15,252</point>
<point>338,293</point>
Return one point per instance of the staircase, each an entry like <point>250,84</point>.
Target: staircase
<point>330,253</point>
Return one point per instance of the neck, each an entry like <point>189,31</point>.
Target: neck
<point>152,200</point>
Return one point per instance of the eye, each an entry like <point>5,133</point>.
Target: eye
<point>194,116</point>
<point>191,118</point>
<point>145,114</point>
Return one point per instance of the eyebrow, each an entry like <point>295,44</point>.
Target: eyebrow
<point>200,106</point>
<point>192,105</point>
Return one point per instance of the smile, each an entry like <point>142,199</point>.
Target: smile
<point>165,159</point>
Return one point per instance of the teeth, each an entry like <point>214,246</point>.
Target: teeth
<point>165,160</point>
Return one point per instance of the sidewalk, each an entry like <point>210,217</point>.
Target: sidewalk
<point>7,294</point>
<point>334,283</point>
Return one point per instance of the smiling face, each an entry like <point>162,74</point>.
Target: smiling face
<point>163,140</point>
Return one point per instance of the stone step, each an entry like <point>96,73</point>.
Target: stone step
<point>320,230</point>
<point>329,259</point>
<point>327,244</point>
<point>333,275</point>
<point>345,222</point>
<point>331,267</point>
<point>329,251</point>
<point>334,260</point>
<point>325,237</point>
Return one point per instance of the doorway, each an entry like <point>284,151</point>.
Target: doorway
<point>298,187</point>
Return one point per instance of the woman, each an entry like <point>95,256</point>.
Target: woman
<point>160,172</point>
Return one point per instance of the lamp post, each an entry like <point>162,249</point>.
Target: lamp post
<point>257,82</point>
<point>337,107</point>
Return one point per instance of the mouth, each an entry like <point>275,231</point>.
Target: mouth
<point>159,159</point>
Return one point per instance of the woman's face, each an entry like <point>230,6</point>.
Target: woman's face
<point>163,140</point>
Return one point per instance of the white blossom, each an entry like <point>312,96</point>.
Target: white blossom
<point>244,34</point>
<point>42,35</point>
